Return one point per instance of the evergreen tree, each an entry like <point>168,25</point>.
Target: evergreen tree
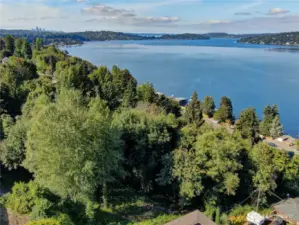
<point>208,106</point>
<point>26,49</point>
<point>9,44</point>
<point>276,128</point>
<point>18,47</point>
<point>225,111</point>
<point>269,115</point>
<point>193,113</point>
<point>248,124</point>
<point>38,43</point>
<point>130,95</point>
<point>146,93</point>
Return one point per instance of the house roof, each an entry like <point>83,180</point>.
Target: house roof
<point>193,218</point>
<point>289,207</point>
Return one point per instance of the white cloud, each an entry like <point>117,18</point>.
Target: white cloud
<point>277,11</point>
<point>104,10</point>
<point>218,22</point>
<point>106,13</point>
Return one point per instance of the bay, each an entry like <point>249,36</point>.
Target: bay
<point>251,75</point>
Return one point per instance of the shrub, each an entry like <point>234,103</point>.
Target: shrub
<point>41,209</point>
<point>240,210</point>
<point>61,219</point>
<point>51,221</point>
<point>23,197</point>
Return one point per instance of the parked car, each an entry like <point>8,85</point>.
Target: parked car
<point>272,145</point>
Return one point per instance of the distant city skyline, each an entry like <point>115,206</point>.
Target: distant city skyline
<point>154,16</point>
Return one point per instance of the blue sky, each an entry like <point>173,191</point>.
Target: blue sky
<point>173,16</point>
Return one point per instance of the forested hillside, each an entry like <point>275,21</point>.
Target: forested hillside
<point>62,38</point>
<point>291,38</point>
<point>101,149</point>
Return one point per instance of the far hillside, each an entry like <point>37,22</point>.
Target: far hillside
<point>290,38</point>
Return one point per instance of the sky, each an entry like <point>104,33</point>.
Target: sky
<point>152,16</point>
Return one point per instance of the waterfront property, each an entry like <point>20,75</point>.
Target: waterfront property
<point>288,210</point>
<point>193,218</point>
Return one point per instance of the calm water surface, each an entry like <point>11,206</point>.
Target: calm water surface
<point>251,75</point>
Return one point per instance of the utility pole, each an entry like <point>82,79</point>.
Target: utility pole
<point>258,200</point>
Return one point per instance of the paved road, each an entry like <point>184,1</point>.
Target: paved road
<point>280,145</point>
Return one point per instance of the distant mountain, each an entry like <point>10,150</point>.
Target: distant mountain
<point>289,38</point>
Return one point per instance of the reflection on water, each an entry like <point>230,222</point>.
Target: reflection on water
<point>291,50</point>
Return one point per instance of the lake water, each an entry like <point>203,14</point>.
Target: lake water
<point>251,75</point>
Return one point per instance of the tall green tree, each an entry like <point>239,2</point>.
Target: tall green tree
<point>38,43</point>
<point>12,149</point>
<point>276,128</point>
<point>208,106</point>
<point>213,165</point>
<point>26,49</point>
<point>18,47</point>
<point>73,148</point>
<point>248,124</point>
<point>270,113</point>
<point>265,170</point>
<point>193,113</point>
<point>147,138</point>
<point>9,44</point>
<point>146,93</point>
<point>225,111</point>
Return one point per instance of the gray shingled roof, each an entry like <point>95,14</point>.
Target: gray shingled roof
<point>194,218</point>
<point>289,208</point>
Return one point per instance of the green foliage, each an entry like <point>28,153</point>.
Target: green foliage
<point>38,44</point>
<point>276,128</point>
<point>61,219</point>
<point>217,216</point>
<point>18,47</point>
<point>146,93</point>
<point>225,111</point>
<point>169,105</point>
<point>147,137</point>
<point>208,106</point>
<point>9,44</point>
<point>116,87</point>
<point>41,209</point>
<point>84,154</point>
<point>162,219</point>
<point>6,122</point>
<point>24,197</point>
<point>270,114</point>
<point>271,167</point>
<point>50,221</point>
<point>12,149</point>
<point>193,113</point>
<point>240,210</point>
<point>248,124</point>
<point>13,77</point>
<point>46,59</point>
<point>26,50</point>
<point>73,73</point>
<point>216,158</point>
